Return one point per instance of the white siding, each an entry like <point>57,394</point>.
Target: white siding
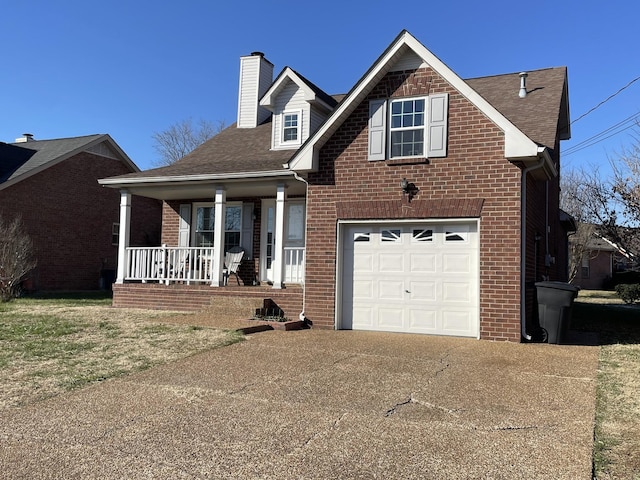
<point>290,98</point>
<point>255,78</point>
<point>409,61</point>
<point>317,118</point>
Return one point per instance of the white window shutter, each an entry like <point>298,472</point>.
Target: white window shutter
<point>247,229</point>
<point>184,228</point>
<point>437,127</point>
<point>377,129</point>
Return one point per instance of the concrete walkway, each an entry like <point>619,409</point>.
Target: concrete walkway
<point>322,405</point>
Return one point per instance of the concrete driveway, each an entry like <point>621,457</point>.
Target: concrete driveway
<point>322,405</point>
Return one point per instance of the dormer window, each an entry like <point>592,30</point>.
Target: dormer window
<point>291,122</point>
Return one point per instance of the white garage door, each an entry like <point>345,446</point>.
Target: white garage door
<point>420,278</point>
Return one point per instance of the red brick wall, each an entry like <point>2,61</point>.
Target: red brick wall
<point>69,217</point>
<point>474,168</point>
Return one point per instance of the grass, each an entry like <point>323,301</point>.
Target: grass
<point>53,344</point>
<point>616,436</point>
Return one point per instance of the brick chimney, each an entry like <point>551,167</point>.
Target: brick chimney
<point>256,76</point>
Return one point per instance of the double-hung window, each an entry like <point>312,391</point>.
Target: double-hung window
<point>291,122</point>
<point>407,128</point>
<point>204,221</point>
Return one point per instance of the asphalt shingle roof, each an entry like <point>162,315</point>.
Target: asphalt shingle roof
<point>17,159</point>
<point>249,149</point>
<point>537,114</point>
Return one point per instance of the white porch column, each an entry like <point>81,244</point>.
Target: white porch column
<point>217,279</point>
<point>124,234</point>
<point>278,244</point>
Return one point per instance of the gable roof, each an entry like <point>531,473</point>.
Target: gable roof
<point>517,144</point>
<point>22,160</point>
<point>312,93</point>
<point>246,153</point>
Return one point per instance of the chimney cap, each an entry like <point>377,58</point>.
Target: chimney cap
<point>26,137</point>
<point>257,54</point>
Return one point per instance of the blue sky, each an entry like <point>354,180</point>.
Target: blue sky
<point>132,68</point>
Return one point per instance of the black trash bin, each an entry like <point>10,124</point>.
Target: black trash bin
<point>555,301</point>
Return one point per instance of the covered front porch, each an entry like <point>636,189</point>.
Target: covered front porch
<point>203,220</point>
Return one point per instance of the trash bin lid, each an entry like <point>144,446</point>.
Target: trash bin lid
<point>558,286</point>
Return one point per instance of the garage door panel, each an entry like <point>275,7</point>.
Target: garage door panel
<point>391,262</point>
<point>456,321</point>
<point>363,262</point>
<point>363,290</point>
<point>459,292</point>
<point>391,289</point>
<point>363,318</point>
<point>425,291</point>
<point>423,319</point>
<point>422,263</point>
<point>391,319</point>
<point>456,263</point>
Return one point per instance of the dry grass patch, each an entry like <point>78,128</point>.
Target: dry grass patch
<point>48,347</point>
<point>617,425</point>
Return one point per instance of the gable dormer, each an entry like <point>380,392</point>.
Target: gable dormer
<point>298,109</point>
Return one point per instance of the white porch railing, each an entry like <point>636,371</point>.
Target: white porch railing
<point>169,264</point>
<point>294,264</point>
<point>193,264</point>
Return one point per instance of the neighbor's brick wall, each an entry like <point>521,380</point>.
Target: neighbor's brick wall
<point>69,217</point>
<point>474,168</point>
<point>599,271</point>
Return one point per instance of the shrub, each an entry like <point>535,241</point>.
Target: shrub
<point>628,292</point>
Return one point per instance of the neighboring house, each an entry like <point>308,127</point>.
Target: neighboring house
<point>72,221</point>
<point>418,202</point>
<point>601,259</point>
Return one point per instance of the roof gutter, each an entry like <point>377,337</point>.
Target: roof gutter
<point>543,159</point>
<point>116,182</point>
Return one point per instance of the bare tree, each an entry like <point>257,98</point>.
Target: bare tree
<point>610,203</point>
<point>17,257</point>
<point>182,138</point>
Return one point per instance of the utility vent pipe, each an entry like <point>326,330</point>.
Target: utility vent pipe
<point>523,84</point>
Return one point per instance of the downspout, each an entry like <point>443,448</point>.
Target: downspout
<point>523,248</point>
<point>302,316</point>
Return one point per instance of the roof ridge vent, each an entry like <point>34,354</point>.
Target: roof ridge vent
<point>523,84</point>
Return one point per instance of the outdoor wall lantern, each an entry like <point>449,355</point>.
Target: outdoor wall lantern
<point>408,188</point>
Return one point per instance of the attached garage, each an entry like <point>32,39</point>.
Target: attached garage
<point>410,277</point>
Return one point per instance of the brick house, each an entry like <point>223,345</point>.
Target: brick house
<point>71,219</point>
<point>417,202</point>
<point>601,260</point>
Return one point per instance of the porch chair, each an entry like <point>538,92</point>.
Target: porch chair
<point>232,260</point>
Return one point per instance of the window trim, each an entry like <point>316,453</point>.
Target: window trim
<point>298,127</point>
<point>194,219</point>
<point>391,129</point>
<point>436,123</point>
